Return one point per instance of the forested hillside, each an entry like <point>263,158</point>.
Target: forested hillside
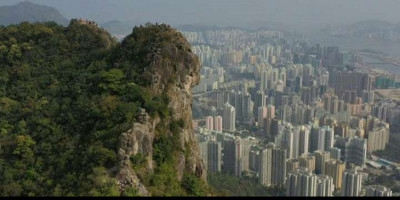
<point>66,96</point>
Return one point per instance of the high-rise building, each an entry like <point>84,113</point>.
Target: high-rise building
<point>218,123</point>
<point>265,173</point>
<point>221,99</point>
<point>210,123</point>
<point>236,152</point>
<point>260,100</point>
<point>237,103</point>
<point>351,183</point>
<point>214,152</point>
<point>301,182</point>
<point>322,138</point>
<point>380,111</point>
<point>204,152</point>
<point>229,119</point>
<point>353,150</point>
<point>335,168</point>
<point>254,159</point>
<point>245,154</point>
<point>247,106</point>
<point>271,111</point>
<point>306,95</point>
<point>285,113</point>
<point>327,102</point>
<point>307,161</point>
<point>275,126</point>
<point>291,142</point>
<point>317,139</point>
<point>377,139</point>
<point>269,119</point>
<point>292,165</point>
<point>264,80</point>
<point>320,158</point>
<point>334,105</point>
<point>342,129</point>
<point>304,139</point>
<point>232,157</point>
<point>335,153</point>
<point>325,186</point>
<point>278,167</point>
<point>329,138</point>
<point>299,83</point>
<point>351,81</point>
<point>378,191</point>
<point>262,114</point>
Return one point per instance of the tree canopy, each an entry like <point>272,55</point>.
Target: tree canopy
<point>66,95</point>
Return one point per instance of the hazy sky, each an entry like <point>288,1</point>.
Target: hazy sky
<point>299,14</point>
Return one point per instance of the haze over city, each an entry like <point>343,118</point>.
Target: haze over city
<point>301,15</point>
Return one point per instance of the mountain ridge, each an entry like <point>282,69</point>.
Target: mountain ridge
<point>30,12</point>
<point>371,29</point>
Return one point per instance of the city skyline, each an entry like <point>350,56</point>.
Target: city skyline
<point>312,112</point>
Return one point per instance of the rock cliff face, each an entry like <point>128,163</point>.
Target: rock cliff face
<point>170,69</point>
<point>139,139</point>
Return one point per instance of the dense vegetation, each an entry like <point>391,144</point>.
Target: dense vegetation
<point>228,185</point>
<point>66,95</point>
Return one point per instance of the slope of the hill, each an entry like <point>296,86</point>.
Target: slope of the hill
<point>81,114</point>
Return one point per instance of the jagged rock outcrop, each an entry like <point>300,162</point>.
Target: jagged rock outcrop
<point>139,139</point>
<point>172,70</point>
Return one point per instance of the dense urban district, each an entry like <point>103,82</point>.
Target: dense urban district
<point>295,118</point>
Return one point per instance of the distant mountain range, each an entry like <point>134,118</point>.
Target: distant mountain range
<point>372,29</point>
<point>30,12</point>
<point>123,28</point>
<point>200,28</point>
